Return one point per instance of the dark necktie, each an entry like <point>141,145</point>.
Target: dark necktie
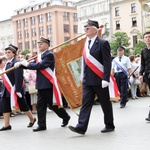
<point>89,44</point>
<point>120,58</point>
<point>118,69</point>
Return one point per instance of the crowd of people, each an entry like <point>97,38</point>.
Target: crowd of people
<point>29,87</point>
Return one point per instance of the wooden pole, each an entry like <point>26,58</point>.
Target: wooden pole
<point>10,69</point>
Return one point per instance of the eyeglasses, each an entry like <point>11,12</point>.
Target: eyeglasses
<point>87,28</point>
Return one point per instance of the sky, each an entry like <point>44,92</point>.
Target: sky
<point>7,7</point>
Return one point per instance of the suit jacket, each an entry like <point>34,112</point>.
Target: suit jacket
<point>47,61</point>
<point>16,78</point>
<point>101,52</point>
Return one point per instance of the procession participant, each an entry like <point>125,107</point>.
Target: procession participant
<point>13,90</point>
<point>46,83</point>
<point>97,67</point>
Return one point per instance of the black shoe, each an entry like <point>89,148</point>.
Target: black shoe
<point>76,129</point>
<point>65,122</point>
<point>39,129</point>
<point>122,106</point>
<point>31,124</point>
<point>5,128</point>
<point>147,119</point>
<point>107,130</point>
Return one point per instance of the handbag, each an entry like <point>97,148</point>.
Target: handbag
<point>131,80</point>
<point>137,81</point>
<point>32,89</point>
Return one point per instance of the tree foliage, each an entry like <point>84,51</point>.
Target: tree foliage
<point>138,47</point>
<point>119,39</point>
<point>25,52</point>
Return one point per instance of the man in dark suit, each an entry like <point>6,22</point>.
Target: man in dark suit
<point>13,83</point>
<point>97,67</point>
<point>45,61</point>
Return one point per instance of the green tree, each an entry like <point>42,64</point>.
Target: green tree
<point>119,39</point>
<point>25,52</point>
<point>138,47</point>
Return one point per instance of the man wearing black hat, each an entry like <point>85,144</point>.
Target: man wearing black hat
<point>121,68</point>
<point>96,70</point>
<point>45,84</point>
<point>13,83</point>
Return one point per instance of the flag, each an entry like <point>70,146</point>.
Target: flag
<point>68,72</point>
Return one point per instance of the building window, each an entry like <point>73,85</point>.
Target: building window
<point>40,18</point>
<point>26,33</point>
<point>49,29</point>
<point>117,25</point>
<point>34,44</point>
<point>66,28</point>
<point>41,31</point>
<point>20,46</point>
<point>66,16</point>
<point>51,41</point>
<point>66,38</point>
<point>75,28</point>
<point>65,4</point>
<point>134,22</point>
<point>33,32</point>
<point>49,16</point>
<point>27,45</point>
<point>33,20</point>
<point>19,35</point>
<point>133,8</point>
<point>19,23</point>
<point>26,22</point>
<point>75,17</point>
<point>134,40</point>
<point>117,11</point>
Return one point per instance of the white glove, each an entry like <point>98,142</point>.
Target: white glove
<point>19,94</point>
<point>104,83</point>
<point>25,63</point>
<point>17,64</point>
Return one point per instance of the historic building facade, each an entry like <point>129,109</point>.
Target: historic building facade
<point>127,17</point>
<point>95,10</point>
<point>6,34</point>
<point>54,19</point>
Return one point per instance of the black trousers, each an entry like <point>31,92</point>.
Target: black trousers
<point>45,100</point>
<point>89,93</point>
<point>122,82</point>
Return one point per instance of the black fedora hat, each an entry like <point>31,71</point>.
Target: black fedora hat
<point>12,48</point>
<point>92,23</point>
<point>44,40</point>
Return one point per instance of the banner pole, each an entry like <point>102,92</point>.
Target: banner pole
<point>10,69</point>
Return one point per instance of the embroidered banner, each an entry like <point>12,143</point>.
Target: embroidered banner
<point>68,72</point>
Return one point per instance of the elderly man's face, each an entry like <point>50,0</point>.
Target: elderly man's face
<point>43,46</point>
<point>90,31</point>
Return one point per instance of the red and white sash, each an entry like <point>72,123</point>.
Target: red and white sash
<point>11,90</point>
<point>98,69</point>
<point>50,75</point>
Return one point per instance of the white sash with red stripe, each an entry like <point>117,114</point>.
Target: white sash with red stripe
<point>11,90</point>
<point>98,68</point>
<point>50,75</point>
